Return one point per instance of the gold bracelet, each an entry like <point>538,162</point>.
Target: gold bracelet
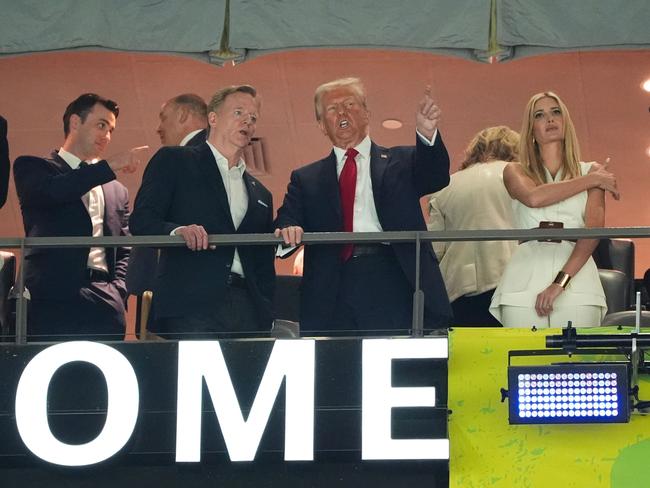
<point>562,279</point>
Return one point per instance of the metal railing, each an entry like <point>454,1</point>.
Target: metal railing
<point>415,237</point>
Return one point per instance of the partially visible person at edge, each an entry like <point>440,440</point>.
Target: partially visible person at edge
<point>549,283</point>
<point>4,167</point>
<point>476,199</point>
<point>4,161</point>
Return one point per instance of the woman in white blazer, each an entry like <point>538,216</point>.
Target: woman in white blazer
<point>476,198</point>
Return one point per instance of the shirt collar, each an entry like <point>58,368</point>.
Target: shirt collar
<point>222,162</point>
<point>189,136</point>
<point>363,148</point>
<point>72,160</point>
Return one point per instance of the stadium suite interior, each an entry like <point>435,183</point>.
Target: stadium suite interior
<point>603,90</point>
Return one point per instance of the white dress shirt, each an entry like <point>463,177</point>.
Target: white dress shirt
<point>233,181</point>
<point>365,214</point>
<point>94,203</point>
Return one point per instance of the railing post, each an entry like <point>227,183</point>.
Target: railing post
<point>21,300</point>
<point>417,328</point>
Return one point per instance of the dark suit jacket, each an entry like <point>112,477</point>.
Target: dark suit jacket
<point>4,161</point>
<point>198,138</point>
<point>141,274</point>
<point>400,177</point>
<point>50,199</point>
<point>183,186</point>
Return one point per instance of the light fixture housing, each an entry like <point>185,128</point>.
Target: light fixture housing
<point>570,393</point>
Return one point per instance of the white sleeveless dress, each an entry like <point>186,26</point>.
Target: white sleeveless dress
<point>534,264</point>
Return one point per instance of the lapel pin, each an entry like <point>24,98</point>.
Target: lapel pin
<point>262,203</point>
<point>383,156</point>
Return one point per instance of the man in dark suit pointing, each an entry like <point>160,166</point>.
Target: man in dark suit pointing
<point>77,290</point>
<point>194,191</point>
<point>363,187</point>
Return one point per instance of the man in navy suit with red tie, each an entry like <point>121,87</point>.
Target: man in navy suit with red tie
<point>76,290</point>
<point>363,187</point>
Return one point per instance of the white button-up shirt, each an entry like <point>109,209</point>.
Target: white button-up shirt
<point>94,203</point>
<point>233,181</point>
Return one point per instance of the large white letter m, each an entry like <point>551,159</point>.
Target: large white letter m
<point>292,359</point>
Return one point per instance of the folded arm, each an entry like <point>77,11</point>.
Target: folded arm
<point>521,187</point>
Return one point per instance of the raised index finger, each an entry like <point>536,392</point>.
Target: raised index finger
<point>605,164</point>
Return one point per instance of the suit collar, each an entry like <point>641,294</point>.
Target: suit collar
<point>193,138</point>
<point>59,162</point>
<point>330,181</point>
<point>379,160</point>
<point>209,168</point>
<point>363,148</point>
<point>254,199</point>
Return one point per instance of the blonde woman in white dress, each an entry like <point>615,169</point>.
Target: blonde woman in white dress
<point>547,284</point>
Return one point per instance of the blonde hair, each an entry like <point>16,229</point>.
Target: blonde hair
<point>220,96</point>
<point>499,143</point>
<point>529,155</point>
<point>353,83</point>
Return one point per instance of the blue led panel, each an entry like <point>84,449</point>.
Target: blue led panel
<point>568,394</point>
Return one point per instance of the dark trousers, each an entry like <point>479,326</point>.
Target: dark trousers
<point>374,295</point>
<point>474,311</point>
<point>235,316</point>
<point>95,314</point>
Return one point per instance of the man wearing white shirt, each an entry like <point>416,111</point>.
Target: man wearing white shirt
<point>76,291</point>
<point>194,191</point>
<point>363,187</point>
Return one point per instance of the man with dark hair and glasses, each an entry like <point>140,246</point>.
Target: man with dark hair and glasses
<point>77,291</point>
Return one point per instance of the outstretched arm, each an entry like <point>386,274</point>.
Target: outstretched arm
<point>431,161</point>
<point>521,187</point>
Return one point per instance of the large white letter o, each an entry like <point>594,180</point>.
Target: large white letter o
<point>31,403</point>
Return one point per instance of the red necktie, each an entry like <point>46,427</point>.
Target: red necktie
<point>347,188</point>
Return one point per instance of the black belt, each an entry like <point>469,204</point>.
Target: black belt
<point>545,224</point>
<point>97,275</point>
<point>236,280</point>
<point>371,250</point>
